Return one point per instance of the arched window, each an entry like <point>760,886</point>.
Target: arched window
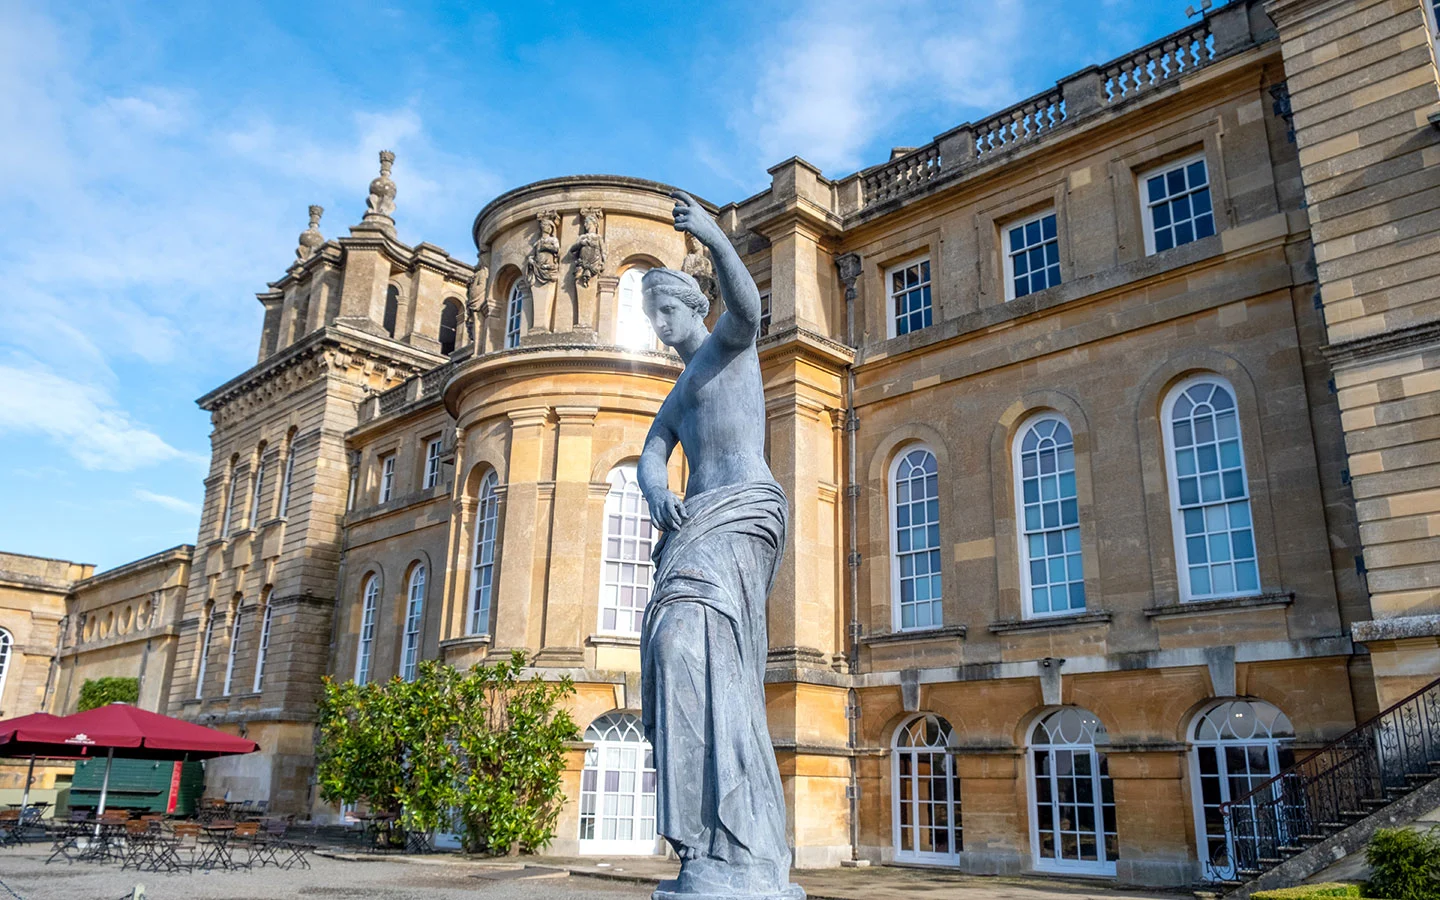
<point>257,487</point>
<point>371,594</point>
<point>632,326</point>
<point>288,476</point>
<point>915,539</point>
<point>6,644</point>
<point>1209,492</point>
<point>1235,746</point>
<point>449,325</point>
<point>1052,579</point>
<point>625,580</point>
<point>414,615</point>
<point>263,647</point>
<point>1072,800</point>
<point>617,788</point>
<point>230,652</point>
<point>482,574</point>
<point>232,490</point>
<point>514,314</point>
<point>392,309</point>
<point>927,792</point>
<point>205,637</point>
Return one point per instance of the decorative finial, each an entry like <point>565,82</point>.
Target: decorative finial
<point>381,202</point>
<point>310,238</point>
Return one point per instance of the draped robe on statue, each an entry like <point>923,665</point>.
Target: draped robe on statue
<point>703,650</point>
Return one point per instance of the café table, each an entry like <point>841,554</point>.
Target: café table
<point>217,849</point>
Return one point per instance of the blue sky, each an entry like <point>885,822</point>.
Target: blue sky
<point>158,158</point>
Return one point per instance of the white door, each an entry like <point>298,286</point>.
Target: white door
<point>617,789</point>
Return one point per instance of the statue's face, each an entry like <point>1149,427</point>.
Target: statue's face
<point>671,318</point>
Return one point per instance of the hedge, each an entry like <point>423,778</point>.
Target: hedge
<point>1309,892</point>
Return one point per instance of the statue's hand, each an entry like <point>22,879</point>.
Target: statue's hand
<point>691,217</point>
<point>668,511</point>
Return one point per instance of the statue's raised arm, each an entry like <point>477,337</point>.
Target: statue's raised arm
<point>740,323</point>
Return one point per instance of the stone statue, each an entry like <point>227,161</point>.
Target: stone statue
<point>310,239</point>
<point>381,202</point>
<point>703,644</point>
<point>476,307</point>
<point>590,248</point>
<point>699,267</point>
<point>543,261</point>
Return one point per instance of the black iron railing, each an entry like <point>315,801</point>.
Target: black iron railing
<point>1333,788</point>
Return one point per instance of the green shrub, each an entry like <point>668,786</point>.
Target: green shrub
<point>1309,892</point>
<point>96,692</point>
<point>1404,864</point>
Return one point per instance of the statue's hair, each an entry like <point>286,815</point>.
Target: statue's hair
<point>679,285</point>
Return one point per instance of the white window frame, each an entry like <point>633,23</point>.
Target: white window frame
<point>236,617</point>
<point>482,561</point>
<point>892,325</point>
<point>262,649</point>
<point>7,649</point>
<point>433,451</point>
<point>354,488</point>
<point>1017,459</point>
<point>633,330</point>
<point>1272,746</point>
<point>1102,865</point>
<point>387,477</point>
<point>1177,514</point>
<point>1431,9</point>
<point>1147,216</point>
<point>286,480</point>
<point>953,802</point>
<point>764,312</point>
<point>257,487</point>
<point>228,512</point>
<point>365,646</point>
<point>514,315</point>
<point>1009,256</point>
<point>414,624</point>
<point>897,613</point>
<point>205,638</point>
<point>625,485</point>
<point>611,737</point>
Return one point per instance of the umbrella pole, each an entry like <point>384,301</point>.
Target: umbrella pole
<point>104,789</point>
<point>25,797</point>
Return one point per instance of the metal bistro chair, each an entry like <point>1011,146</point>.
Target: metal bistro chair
<point>10,827</point>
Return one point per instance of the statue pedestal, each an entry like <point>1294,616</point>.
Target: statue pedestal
<point>668,890</point>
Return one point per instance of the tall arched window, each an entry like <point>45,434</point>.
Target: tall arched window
<point>262,649</point>
<point>632,326</point>
<point>915,539</point>
<point>1235,746</point>
<point>449,325</point>
<point>617,788</point>
<point>414,616</point>
<point>205,637</point>
<point>927,792</point>
<point>371,595</point>
<point>482,573</point>
<point>1052,579</point>
<point>392,309</point>
<point>257,487</point>
<point>1072,800</point>
<point>232,490</point>
<point>6,644</point>
<point>514,314</point>
<point>288,476</point>
<point>233,649</point>
<point>1209,492</point>
<point>627,572</point>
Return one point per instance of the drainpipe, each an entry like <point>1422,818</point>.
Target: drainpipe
<point>848,266</point>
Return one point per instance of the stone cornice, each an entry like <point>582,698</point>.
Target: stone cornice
<point>798,341</point>
<point>549,359</point>
<point>560,189</point>
<point>182,553</point>
<point>1375,346</point>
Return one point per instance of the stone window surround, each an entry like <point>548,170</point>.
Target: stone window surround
<point>992,222</point>
<point>431,442</point>
<point>888,299</point>
<point>897,455</point>
<point>1146,217</point>
<point>1126,171</point>
<point>1022,537</point>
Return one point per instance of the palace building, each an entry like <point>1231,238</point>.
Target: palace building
<point>1108,423</point>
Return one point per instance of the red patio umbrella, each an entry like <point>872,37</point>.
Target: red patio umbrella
<point>7,728</point>
<point>135,732</point>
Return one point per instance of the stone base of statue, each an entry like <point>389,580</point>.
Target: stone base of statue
<point>670,890</point>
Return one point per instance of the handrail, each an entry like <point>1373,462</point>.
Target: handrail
<point>1332,788</point>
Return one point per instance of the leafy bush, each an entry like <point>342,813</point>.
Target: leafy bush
<point>1309,892</point>
<point>479,752</point>
<point>97,692</point>
<point>1404,864</point>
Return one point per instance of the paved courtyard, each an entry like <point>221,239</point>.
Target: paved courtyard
<point>24,872</point>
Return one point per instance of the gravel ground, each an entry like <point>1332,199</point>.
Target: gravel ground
<point>24,872</point>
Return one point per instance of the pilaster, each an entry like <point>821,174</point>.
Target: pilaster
<point>515,625</point>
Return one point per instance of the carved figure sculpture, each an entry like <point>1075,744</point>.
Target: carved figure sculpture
<point>703,642</point>
<point>543,261</point>
<point>311,239</point>
<point>699,267</point>
<point>476,307</point>
<point>590,248</point>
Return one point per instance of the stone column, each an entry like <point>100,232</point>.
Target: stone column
<point>570,538</point>
<point>1375,263</point>
<point>515,627</point>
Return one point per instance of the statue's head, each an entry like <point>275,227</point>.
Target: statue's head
<point>674,304</point>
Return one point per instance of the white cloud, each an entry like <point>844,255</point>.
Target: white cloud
<point>83,419</point>
<point>172,503</point>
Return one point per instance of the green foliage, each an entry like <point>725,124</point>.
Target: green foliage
<point>97,692</point>
<point>1309,892</point>
<point>479,752</point>
<point>1404,864</point>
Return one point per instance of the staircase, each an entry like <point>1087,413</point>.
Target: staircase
<point>1327,805</point>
